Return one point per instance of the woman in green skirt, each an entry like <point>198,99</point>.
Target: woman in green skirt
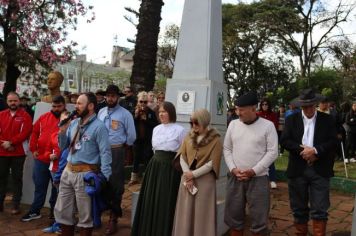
<point>157,200</point>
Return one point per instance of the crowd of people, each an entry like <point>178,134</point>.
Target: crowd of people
<point>82,154</point>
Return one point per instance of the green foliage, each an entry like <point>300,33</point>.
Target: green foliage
<point>245,64</point>
<point>326,81</point>
<point>167,51</point>
<point>160,84</point>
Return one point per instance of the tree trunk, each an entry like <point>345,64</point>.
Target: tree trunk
<point>11,52</point>
<point>12,73</point>
<point>145,58</point>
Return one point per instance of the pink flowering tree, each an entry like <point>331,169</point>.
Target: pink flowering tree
<point>35,32</point>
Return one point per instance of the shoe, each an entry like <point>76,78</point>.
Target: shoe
<point>30,216</point>
<point>15,210</point>
<point>111,228</point>
<point>55,228</point>
<point>273,185</point>
<point>352,160</point>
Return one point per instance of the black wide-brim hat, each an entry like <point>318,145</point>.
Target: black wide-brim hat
<point>113,89</point>
<point>307,97</point>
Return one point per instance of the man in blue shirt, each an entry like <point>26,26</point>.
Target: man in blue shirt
<point>120,124</point>
<point>89,150</point>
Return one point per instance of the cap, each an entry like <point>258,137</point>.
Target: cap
<point>247,99</point>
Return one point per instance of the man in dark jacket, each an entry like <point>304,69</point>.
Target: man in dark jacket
<point>100,97</point>
<point>310,138</point>
<point>351,142</point>
<point>130,101</point>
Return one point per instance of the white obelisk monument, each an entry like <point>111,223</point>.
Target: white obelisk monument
<point>198,78</point>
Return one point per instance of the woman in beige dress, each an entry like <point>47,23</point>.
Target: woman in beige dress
<point>200,161</point>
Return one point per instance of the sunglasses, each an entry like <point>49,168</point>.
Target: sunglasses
<point>145,102</point>
<point>193,122</point>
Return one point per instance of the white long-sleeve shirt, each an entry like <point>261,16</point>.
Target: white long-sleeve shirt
<point>251,146</point>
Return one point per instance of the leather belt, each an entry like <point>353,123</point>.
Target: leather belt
<point>117,145</point>
<point>82,167</point>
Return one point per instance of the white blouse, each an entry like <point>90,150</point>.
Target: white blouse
<point>167,137</point>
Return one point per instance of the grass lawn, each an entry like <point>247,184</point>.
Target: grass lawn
<point>339,169</point>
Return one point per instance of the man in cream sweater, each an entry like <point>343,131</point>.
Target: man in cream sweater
<point>250,147</point>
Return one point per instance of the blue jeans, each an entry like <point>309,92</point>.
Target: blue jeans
<point>41,177</point>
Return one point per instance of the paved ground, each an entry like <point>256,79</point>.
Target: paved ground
<point>280,220</point>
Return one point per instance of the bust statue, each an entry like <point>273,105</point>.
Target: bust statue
<point>54,81</point>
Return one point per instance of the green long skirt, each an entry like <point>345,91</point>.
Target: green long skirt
<point>158,195</point>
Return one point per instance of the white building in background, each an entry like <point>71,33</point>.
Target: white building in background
<point>82,76</point>
<point>122,57</point>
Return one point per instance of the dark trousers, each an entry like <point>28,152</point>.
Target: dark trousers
<point>142,151</point>
<point>16,166</point>
<point>281,149</point>
<point>117,180</point>
<point>41,178</point>
<point>309,188</point>
<point>272,173</point>
<point>351,145</point>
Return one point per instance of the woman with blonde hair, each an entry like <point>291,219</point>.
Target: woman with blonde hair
<point>200,156</point>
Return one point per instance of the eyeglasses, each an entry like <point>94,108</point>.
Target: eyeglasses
<point>145,102</point>
<point>193,122</point>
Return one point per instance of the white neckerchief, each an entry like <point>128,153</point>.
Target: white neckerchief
<point>309,126</point>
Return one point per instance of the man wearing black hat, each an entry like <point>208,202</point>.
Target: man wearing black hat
<point>100,97</point>
<point>310,138</point>
<point>122,135</point>
<point>250,147</point>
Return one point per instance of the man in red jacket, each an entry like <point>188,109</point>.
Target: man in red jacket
<point>40,146</point>
<point>15,128</point>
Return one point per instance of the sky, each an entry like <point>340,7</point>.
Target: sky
<point>96,39</point>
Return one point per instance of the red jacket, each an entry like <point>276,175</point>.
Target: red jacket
<point>40,140</point>
<point>15,129</point>
<point>54,149</point>
<point>271,116</point>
